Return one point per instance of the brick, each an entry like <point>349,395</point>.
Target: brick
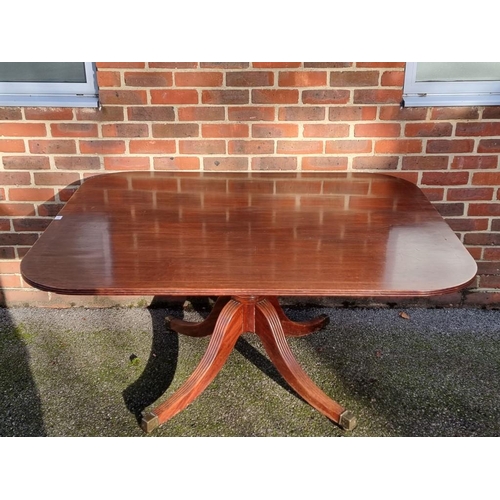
<point>199,79</point>
<point>14,178</point>
<point>324,96</point>
<point>326,163</point>
<point>298,113</point>
<point>151,113</point>
<point>402,114</point>
<point>23,297</point>
<point>251,113</point>
<point>26,163</point>
<point>102,147</point>
<point>445,178</point>
<point>489,146</point>
<point>249,79</point>
<point>122,97</point>
<point>354,78</point>
<point>401,146</point>
<point>176,163</point>
<point>4,224</point>
<point>491,113</point>
<point>6,253</point>
<point>484,209</point>
<point>50,209</point>
<point>23,129</point>
<point>299,147</point>
<point>375,162</point>
<point>495,224</point>
<point>454,113</point>
<point>482,238</point>
<point>152,146</point>
<point>492,254</point>
<point>56,178</point>
<point>176,130</point>
<point>302,78</point>
<point>488,268</point>
<point>225,164</point>
<point>108,79</point>
<point>486,178</point>
<point>77,162</point>
<point>377,130</point>
<point>490,282</point>
<point>16,209</point>
<point>332,65</point>
<point>73,129</point>
<point>126,163</point>
<point>10,267</point>
<point>428,130</point>
<point>201,113</point>
<point>10,281</point>
<point>31,194</point>
<point>31,224</point>
<point>105,114</point>
<point>66,193</point>
<point>276,64</point>
<point>433,194</point>
<point>468,224</point>
<point>148,79</point>
<point>187,96</point>
<point>478,129</point>
<point>8,113</point>
<point>450,146</point>
<point>225,65</point>
<point>377,96</point>
<point>52,146</point>
<point>173,65</point>
<point>274,163</point>
<point>125,130</point>
<point>275,130</point>
<point>225,130</point>
<point>380,65</point>
<point>348,146</point>
<point>326,130</point>
<point>464,194</point>
<point>12,146</point>
<point>392,79</point>
<point>474,162</point>
<point>202,147</point>
<point>121,65</point>
<point>352,113</point>
<point>251,147</point>
<point>48,114</point>
<point>450,209</point>
<point>425,162</point>
<point>225,97</point>
<point>275,96</point>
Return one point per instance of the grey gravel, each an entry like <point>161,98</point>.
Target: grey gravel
<point>90,372</point>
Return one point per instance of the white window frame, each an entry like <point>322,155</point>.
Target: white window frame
<point>446,93</point>
<point>77,95</point>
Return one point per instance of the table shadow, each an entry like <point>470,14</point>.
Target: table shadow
<point>20,406</point>
<point>159,370</point>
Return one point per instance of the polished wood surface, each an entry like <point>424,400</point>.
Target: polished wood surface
<point>226,234</point>
<point>248,238</point>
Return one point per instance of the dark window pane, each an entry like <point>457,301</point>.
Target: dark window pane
<point>43,72</point>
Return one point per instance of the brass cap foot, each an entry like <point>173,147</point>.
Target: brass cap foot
<point>347,421</point>
<point>149,421</point>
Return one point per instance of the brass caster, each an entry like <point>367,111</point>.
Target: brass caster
<point>149,421</point>
<point>347,421</point>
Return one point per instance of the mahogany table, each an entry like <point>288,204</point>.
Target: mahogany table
<point>248,239</point>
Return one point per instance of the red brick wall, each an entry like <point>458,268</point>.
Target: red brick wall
<point>248,117</point>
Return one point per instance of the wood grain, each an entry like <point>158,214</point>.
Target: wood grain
<point>274,234</point>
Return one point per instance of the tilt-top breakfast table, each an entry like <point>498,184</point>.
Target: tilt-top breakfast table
<point>248,238</point>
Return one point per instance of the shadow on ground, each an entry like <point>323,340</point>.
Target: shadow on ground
<point>20,406</point>
<point>436,373</point>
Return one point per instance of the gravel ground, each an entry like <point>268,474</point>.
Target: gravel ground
<point>90,372</point>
